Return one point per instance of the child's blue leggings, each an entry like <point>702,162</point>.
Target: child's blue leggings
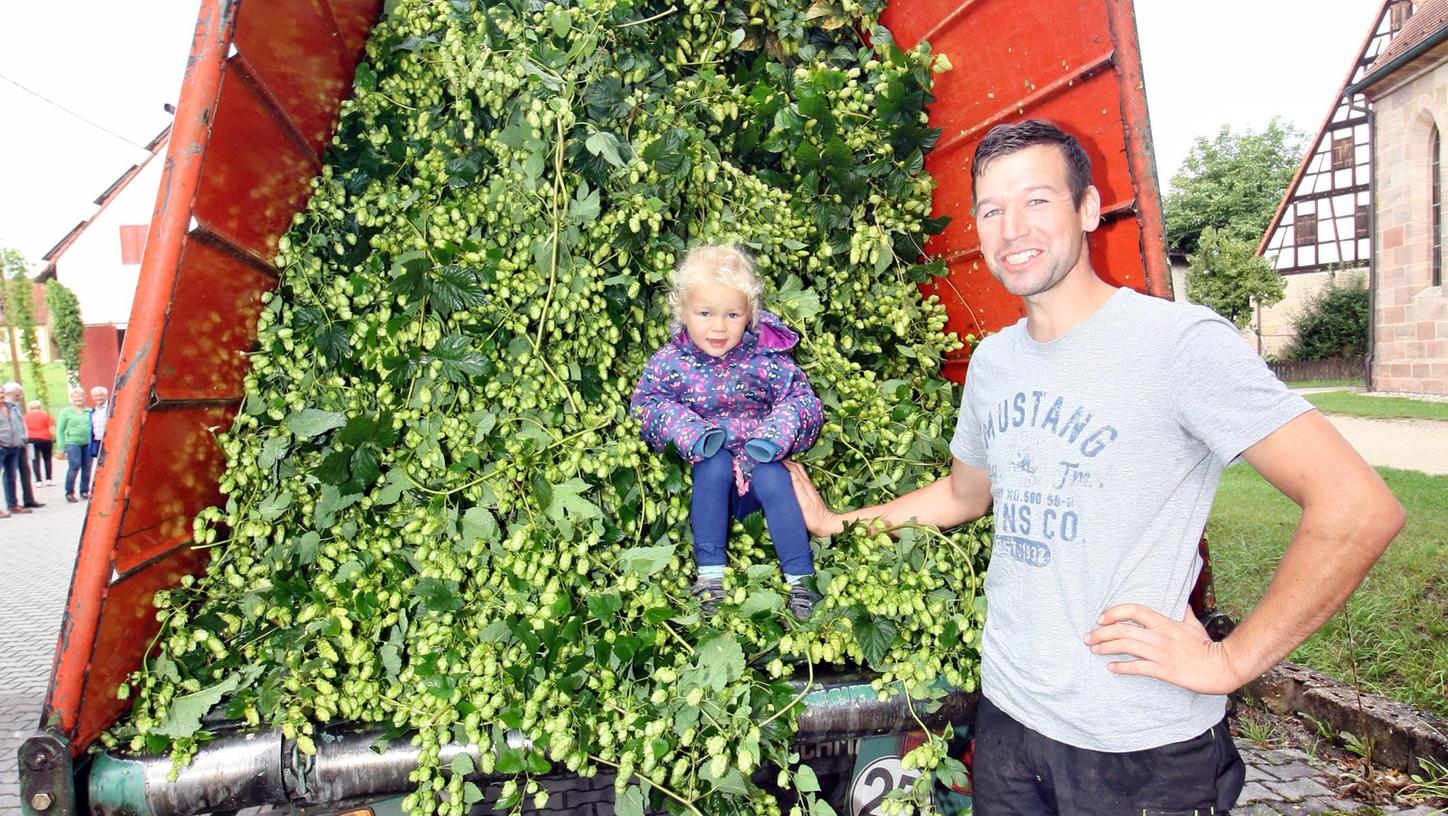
<point>716,501</point>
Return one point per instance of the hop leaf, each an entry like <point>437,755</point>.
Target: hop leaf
<point>459,361</point>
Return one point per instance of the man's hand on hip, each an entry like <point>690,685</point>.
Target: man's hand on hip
<point>1177,651</point>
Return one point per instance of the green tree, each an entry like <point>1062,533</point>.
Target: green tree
<point>1233,183</point>
<point>1227,276</point>
<point>20,315</point>
<point>1333,322</point>
<point>66,326</point>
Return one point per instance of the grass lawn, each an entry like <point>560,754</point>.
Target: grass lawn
<point>1398,618</point>
<point>1346,402</point>
<point>1326,383</point>
<point>58,389</point>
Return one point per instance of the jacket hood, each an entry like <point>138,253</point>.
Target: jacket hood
<point>771,337</point>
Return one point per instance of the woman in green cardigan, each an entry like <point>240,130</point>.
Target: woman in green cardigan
<point>73,431</point>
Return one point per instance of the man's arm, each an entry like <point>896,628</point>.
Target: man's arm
<point>1348,518</point>
<point>962,496</point>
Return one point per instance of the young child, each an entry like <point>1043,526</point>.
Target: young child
<point>725,392</point>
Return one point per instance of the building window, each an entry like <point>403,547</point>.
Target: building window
<point>1361,224</point>
<point>1436,148</point>
<point>1342,153</point>
<point>133,244</point>
<point>1304,231</point>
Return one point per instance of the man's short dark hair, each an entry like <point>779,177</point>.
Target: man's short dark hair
<point>1002,140</point>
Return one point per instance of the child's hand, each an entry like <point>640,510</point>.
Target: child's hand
<point>762,450</point>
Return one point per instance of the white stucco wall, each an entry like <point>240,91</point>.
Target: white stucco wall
<point>92,266</point>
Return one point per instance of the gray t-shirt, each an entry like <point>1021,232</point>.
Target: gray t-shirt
<point>1104,449</point>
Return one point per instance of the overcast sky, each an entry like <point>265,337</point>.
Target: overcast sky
<point>1234,62</point>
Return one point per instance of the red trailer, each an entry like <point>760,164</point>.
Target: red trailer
<point>259,102</point>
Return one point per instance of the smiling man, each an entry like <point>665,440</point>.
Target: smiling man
<point>1097,428</point>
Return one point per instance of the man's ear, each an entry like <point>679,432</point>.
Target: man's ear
<point>1090,208</point>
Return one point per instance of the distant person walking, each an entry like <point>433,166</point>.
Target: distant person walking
<point>12,450</point>
<point>40,433</point>
<point>73,432</point>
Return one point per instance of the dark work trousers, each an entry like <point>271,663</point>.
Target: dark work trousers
<point>1019,772</point>
<point>26,491</point>
<point>42,449</point>
<point>10,459</point>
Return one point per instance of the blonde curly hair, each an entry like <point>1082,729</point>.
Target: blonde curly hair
<point>728,264</point>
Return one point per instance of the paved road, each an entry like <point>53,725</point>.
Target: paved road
<point>37,555</point>
<point>1410,444</point>
<point>1286,781</point>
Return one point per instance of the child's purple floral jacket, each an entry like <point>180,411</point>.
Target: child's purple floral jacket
<point>753,392</point>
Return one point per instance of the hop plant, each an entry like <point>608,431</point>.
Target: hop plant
<point>439,516</point>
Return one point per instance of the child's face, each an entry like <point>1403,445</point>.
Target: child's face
<point>715,316</point>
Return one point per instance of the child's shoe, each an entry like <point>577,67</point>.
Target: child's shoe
<point>710,592</point>
<point>801,601</point>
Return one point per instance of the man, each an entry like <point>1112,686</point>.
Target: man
<point>100,412</point>
<point>12,447</point>
<point>1098,428</point>
<point>15,396</point>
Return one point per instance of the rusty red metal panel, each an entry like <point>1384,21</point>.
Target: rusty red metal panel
<point>257,173</point>
<point>353,19</point>
<point>179,463</point>
<point>81,637</point>
<point>1014,61</point>
<point>127,617</point>
<point>214,309</point>
<point>1008,57</point>
<point>239,162</point>
<point>302,64</point>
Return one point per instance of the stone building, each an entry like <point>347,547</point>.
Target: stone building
<point>1407,86</point>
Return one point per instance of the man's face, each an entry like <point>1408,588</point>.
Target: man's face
<point>1031,233</point>
<point>14,395</point>
<point>98,396</point>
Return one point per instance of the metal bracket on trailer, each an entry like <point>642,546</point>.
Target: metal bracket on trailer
<point>47,777</point>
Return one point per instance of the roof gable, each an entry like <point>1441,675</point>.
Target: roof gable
<point>155,146</point>
<point>1429,18</point>
<point>1321,187</point>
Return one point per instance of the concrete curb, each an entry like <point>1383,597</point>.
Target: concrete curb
<point>1400,734</point>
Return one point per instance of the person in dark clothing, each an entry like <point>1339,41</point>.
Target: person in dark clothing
<point>15,396</point>
<point>12,448</point>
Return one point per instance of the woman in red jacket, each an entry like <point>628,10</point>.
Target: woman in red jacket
<point>40,433</point>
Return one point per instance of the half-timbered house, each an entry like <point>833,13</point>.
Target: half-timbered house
<point>1323,227</point>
